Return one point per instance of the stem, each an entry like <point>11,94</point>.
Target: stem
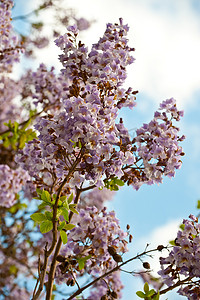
<point>41,275</point>
<point>79,291</point>
<point>24,122</point>
<point>170,288</point>
<point>57,250</point>
<point>59,243</point>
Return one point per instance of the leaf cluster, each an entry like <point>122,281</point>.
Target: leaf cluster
<point>45,219</point>
<point>15,136</point>
<point>148,294</point>
<point>113,183</point>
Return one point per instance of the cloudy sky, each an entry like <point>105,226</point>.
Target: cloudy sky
<point>166,36</point>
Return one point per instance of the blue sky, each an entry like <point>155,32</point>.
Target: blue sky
<point>166,35</point>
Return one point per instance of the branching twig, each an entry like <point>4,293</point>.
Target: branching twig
<point>79,291</point>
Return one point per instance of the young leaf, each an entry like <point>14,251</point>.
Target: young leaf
<point>81,263</point>
<point>46,226</point>
<point>140,294</point>
<point>65,204</point>
<point>198,204</point>
<point>38,217</point>
<point>146,287</point>
<point>62,225</point>
<point>65,214</point>
<point>150,293</point>
<point>119,182</point>
<point>73,210</point>
<point>69,226</point>
<point>172,243</point>
<point>63,236</point>
<point>69,200</point>
<point>46,196</point>
<point>82,260</point>
<point>39,192</point>
<point>157,296</point>
<point>59,212</point>
<point>49,215</point>
<point>42,205</point>
<point>63,198</point>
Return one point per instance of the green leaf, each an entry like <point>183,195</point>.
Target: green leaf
<point>22,141</point>
<point>198,204</point>
<point>114,188</point>
<point>13,269</point>
<point>46,196</point>
<point>79,144</point>
<point>172,243</point>
<point>146,287</point>
<point>62,225</point>
<point>39,192</point>
<point>65,214</point>
<point>73,210</point>
<point>42,205</point>
<point>38,217</point>
<point>119,182</point>
<point>69,200</point>
<point>182,226</point>
<point>59,212</point>
<point>150,293</point>
<point>81,263</point>
<point>18,206</point>
<point>54,198</point>
<point>82,260</point>
<point>46,226</point>
<point>157,296</point>
<point>6,143</point>
<point>140,294</point>
<point>63,236</point>
<point>63,198</point>
<point>49,215</point>
<point>66,205</point>
<point>69,226</point>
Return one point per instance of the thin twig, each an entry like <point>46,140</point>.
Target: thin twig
<point>79,291</point>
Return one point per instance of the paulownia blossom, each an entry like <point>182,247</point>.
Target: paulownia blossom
<point>83,140</point>
<point>181,267</point>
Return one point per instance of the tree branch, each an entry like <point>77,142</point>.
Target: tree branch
<point>79,291</point>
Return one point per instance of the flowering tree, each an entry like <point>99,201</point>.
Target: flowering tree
<point>64,153</point>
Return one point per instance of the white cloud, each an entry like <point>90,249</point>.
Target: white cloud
<point>159,236</point>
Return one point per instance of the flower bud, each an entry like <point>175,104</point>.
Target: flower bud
<point>160,247</point>
<point>130,238</point>
<point>114,295</point>
<point>111,251</point>
<point>146,265</point>
<point>117,257</point>
<point>104,297</point>
<point>60,258</point>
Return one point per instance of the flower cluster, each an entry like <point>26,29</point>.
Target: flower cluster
<point>157,147</point>
<point>44,87</point>
<point>83,140</point>
<point>105,64</point>
<point>9,49</point>
<point>182,264</point>
<point>9,90</point>
<point>11,182</point>
<point>96,235</point>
